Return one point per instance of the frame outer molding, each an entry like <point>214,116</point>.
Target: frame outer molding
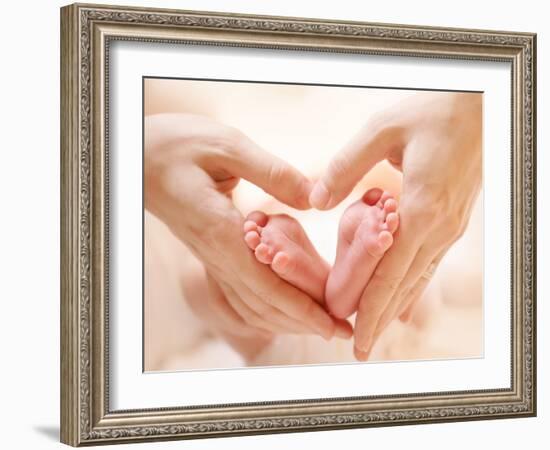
<point>70,243</point>
<point>85,34</point>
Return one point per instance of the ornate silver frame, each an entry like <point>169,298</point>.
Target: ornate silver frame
<point>86,31</point>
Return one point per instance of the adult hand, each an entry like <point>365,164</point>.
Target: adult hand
<point>435,140</point>
<point>191,165</point>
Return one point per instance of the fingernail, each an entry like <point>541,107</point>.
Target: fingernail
<point>327,336</point>
<point>326,333</point>
<point>319,196</point>
<point>365,348</point>
<point>322,324</point>
<point>361,355</point>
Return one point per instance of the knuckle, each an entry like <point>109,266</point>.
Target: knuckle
<point>457,233</point>
<point>277,173</point>
<point>454,220</point>
<point>227,142</point>
<point>339,167</point>
<point>460,228</point>
<point>233,137</point>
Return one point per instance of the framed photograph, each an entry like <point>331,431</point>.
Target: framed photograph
<point>275,224</point>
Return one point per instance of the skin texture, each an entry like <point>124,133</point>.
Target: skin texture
<point>192,164</point>
<point>365,234</point>
<point>435,140</point>
<point>281,242</point>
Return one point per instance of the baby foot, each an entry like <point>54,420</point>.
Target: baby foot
<point>365,234</point>
<point>280,241</point>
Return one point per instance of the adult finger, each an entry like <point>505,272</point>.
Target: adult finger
<point>261,314</point>
<point>381,288</point>
<point>343,329</point>
<point>274,308</point>
<point>348,167</point>
<point>294,303</point>
<point>418,288</point>
<point>225,314</point>
<point>249,316</point>
<point>270,313</point>
<point>412,299</point>
<point>424,261</point>
<point>267,171</point>
<point>273,291</point>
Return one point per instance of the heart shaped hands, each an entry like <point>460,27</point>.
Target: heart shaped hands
<point>191,165</point>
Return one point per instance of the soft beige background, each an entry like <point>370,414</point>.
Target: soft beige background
<point>306,126</point>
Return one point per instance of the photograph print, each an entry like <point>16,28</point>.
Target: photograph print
<point>297,224</point>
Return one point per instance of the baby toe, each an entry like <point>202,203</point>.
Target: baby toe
<point>385,240</point>
<point>372,196</point>
<point>392,222</point>
<point>250,225</point>
<point>385,197</point>
<point>390,205</point>
<point>252,239</point>
<point>259,217</point>
<point>281,263</point>
<point>264,254</point>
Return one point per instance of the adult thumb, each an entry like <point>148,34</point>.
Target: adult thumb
<point>270,173</point>
<point>348,167</point>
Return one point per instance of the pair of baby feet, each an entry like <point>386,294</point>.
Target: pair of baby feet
<point>365,233</point>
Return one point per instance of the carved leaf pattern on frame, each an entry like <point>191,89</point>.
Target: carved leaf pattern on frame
<point>87,16</point>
